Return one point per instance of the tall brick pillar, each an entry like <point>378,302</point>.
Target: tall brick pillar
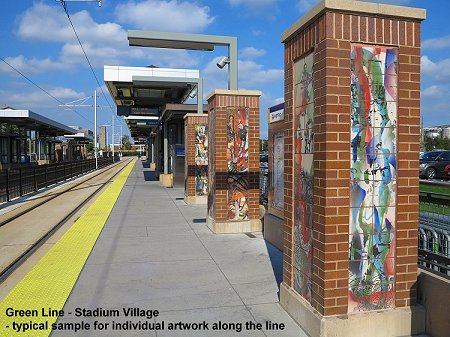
<point>352,104</point>
<point>196,158</point>
<point>233,196</point>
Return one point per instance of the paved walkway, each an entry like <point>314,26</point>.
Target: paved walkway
<point>156,252</point>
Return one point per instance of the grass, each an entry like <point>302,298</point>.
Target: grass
<point>435,189</point>
<point>439,191</point>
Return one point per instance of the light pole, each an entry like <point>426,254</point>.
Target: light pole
<point>121,144</point>
<point>95,129</point>
<point>74,104</point>
<point>112,137</point>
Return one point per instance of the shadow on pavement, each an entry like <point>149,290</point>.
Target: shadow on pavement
<point>276,259</point>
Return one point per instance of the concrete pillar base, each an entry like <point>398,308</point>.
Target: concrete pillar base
<point>196,199</point>
<point>166,179</point>
<point>152,166</point>
<point>229,227</point>
<point>390,322</point>
<point>273,230</point>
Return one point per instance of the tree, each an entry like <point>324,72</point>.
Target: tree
<point>126,144</point>
<point>263,144</point>
<point>438,142</point>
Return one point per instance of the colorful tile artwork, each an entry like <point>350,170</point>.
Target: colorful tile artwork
<point>201,159</point>
<point>237,159</point>
<point>303,174</point>
<point>373,178</point>
<point>211,167</point>
<point>278,171</point>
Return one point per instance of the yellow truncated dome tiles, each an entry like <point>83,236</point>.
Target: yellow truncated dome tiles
<point>50,282</point>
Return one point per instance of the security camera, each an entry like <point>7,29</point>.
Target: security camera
<point>222,62</point>
<point>193,93</point>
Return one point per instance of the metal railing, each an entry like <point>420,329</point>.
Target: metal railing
<point>434,232</point>
<point>17,182</point>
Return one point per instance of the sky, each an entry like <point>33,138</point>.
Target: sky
<point>37,39</point>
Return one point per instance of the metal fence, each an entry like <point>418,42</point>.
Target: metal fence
<point>27,179</point>
<point>263,184</point>
<point>434,232</point>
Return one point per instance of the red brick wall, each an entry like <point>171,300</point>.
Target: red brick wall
<point>217,108</point>
<point>189,164</point>
<point>330,36</point>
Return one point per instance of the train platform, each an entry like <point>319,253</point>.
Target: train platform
<point>146,264</point>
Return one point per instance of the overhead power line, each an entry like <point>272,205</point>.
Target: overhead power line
<point>63,3</point>
<point>38,86</point>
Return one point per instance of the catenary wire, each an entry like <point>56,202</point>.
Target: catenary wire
<point>63,3</point>
<point>38,86</point>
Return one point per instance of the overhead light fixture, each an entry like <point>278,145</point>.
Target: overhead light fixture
<point>126,92</point>
<point>223,61</point>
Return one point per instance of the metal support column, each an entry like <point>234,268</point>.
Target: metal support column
<point>150,149</point>
<point>200,96</point>
<point>233,65</point>
<point>166,149</point>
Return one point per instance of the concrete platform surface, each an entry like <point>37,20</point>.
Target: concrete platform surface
<point>156,252</point>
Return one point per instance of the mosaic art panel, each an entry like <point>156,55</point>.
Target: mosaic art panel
<point>278,170</point>
<point>303,125</point>
<point>237,160</point>
<point>237,137</point>
<point>238,196</point>
<point>373,170</point>
<point>201,159</point>
<point>211,166</point>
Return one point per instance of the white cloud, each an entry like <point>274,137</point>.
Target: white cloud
<point>278,100</point>
<point>30,66</point>
<point>437,70</point>
<point>173,15</point>
<point>252,52</point>
<point>38,99</point>
<point>437,43</point>
<point>104,43</point>
<point>433,91</point>
<point>49,23</point>
<point>251,75</point>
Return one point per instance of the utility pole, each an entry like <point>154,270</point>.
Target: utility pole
<point>112,137</point>
<point>95,129</point>
<point>81,101</point>
<point>121,142</point>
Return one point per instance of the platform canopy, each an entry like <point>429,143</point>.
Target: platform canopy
<point>80,138</point>
<point>30,120</point>
<point>142,93</point>
<point>145,90</point>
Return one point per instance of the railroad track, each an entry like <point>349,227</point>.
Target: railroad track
<point>25,254</point>
<point>51,196</point>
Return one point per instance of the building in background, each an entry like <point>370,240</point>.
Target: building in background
<point>102,138</point>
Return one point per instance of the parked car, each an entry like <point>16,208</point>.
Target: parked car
<point>433,163</point>
<point>447,172</point>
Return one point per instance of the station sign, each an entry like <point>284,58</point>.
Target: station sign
<point>276,113</point>
<point>149,123</point>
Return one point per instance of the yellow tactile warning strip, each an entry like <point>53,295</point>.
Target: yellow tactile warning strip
<point>49,283</point>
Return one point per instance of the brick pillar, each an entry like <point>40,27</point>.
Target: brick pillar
<point>352,101</point>
<point>196,158</point>
<point>233,196</point>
